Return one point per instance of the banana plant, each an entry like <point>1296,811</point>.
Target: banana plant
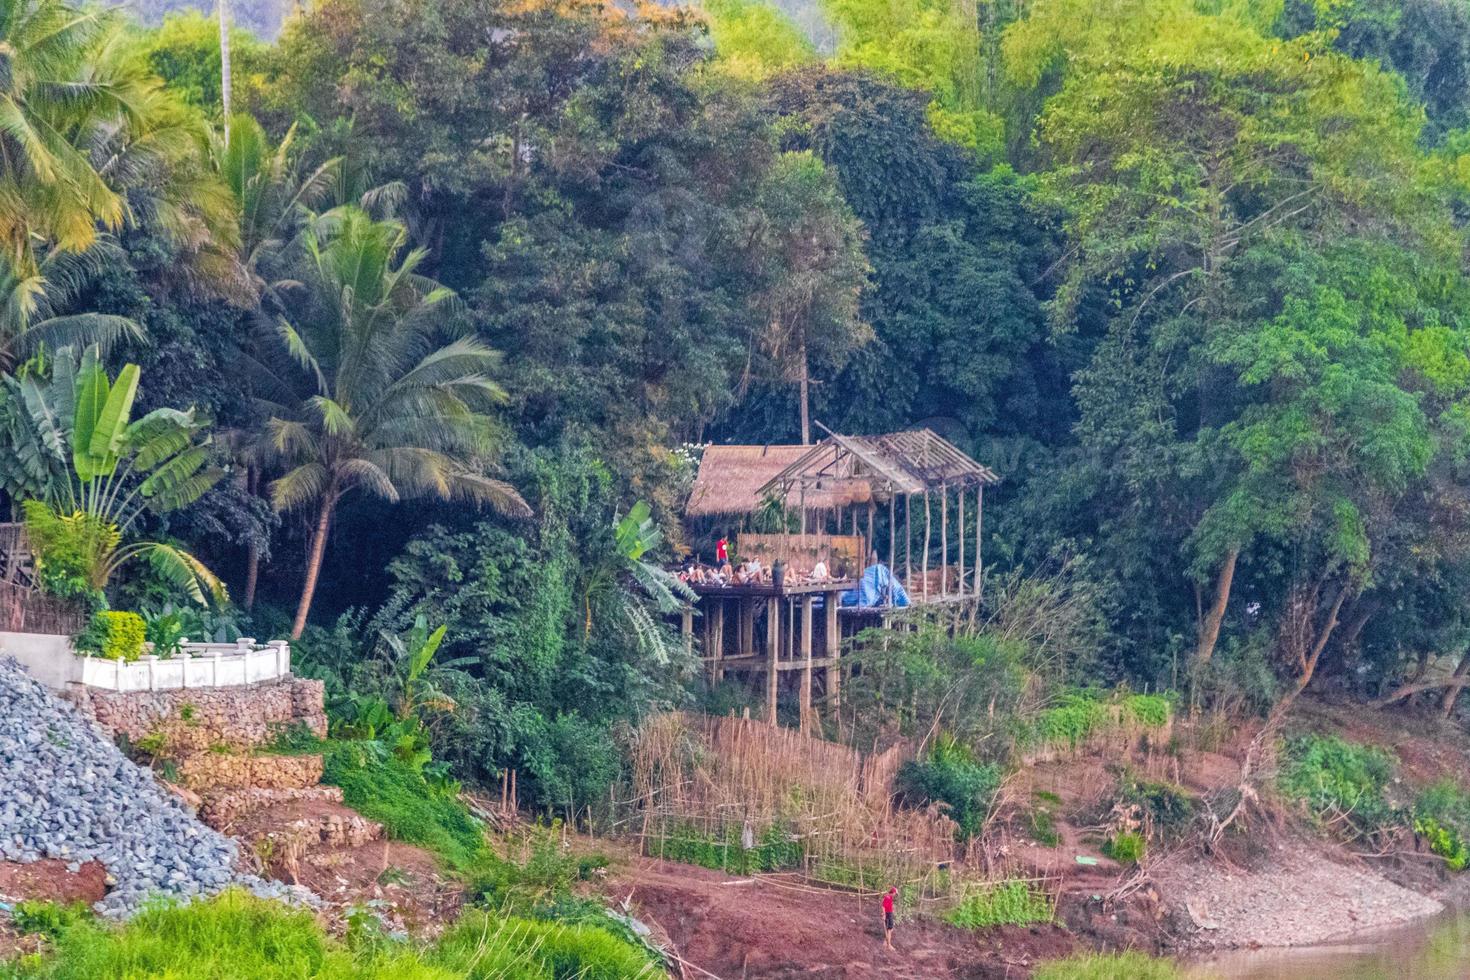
<point>609,583</point>
<point>87,470</point>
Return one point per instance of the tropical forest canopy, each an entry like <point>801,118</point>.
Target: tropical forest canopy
<point>457,282</point>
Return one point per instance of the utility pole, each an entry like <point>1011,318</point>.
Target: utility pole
<point>224,63</point>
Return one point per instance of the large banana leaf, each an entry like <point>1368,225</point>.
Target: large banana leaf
<point>91,394</point>
<point>110,430</point>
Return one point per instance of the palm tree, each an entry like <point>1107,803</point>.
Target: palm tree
<point>362,394</point>
<point>89,141</point>
<point>624,584</point>
<point>271,194</point>
<point>50,103</point>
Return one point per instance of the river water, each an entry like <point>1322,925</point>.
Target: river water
<point>1435,950</point>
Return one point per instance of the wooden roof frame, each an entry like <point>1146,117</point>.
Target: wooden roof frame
<point>911,462</point>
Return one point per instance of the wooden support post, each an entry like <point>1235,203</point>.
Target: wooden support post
<point>773,650</point>
<point>943,539</point>
<point>928,536</point>
<point>979,521</point>
<point>908,542</point>
<point>686,629</point>
<point>708,641</point>
<point>746,641</point>
<point>869,545</point>
<point>806,655</point>
<point>960,499</point>
<point>717,625</point>
<point>892,531</point>
<point>833,645</point>
<point>803,515</point>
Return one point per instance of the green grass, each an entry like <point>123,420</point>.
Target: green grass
<point>1078,715</point>
<point>1109,966</point>
<point>1126,848</point>
<point>238,937</point>
<point>1004,903</point>
<point>392,793</point>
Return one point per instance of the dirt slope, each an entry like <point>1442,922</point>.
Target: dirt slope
<point>769,926</point>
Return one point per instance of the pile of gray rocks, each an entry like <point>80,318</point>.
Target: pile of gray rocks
<point>67,792</point>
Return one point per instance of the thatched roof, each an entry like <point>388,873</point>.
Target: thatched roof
<point>730,479</point>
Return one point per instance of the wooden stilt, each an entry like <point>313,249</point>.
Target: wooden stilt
<point>908,542</point>
<point>773,649</point>
<point>717,613</point>
<point>686,629</point>
<point>892,531</point>
<point>928,537</point>
<point>746,640</point>
<point>979,522</point>
<point>806,655</point>
<point>943,539</point>
<point>960,499</point>
<point>869,545</point>
<point>833,651</point>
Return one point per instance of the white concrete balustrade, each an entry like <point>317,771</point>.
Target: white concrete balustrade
<point>51,661</point>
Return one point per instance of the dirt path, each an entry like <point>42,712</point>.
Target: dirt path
<point>772,927</point>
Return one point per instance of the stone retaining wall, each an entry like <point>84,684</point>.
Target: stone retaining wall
<point>207,718</point>
<point>202,771</point>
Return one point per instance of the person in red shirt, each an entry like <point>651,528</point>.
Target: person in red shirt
<point>888,898</point>
<point>722,552</point>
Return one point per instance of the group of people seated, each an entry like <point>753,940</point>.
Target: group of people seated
<point>751,572</point>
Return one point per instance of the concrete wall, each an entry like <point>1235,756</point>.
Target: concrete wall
<point>46,657</point>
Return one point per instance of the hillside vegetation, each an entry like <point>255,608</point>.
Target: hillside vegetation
<point>412,357</point>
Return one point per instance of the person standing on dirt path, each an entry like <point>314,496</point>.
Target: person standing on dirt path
<point>888,898</point>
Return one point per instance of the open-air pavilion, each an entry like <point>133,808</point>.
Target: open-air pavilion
<point>839,501</point>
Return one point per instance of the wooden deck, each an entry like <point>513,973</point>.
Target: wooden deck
<point>765,591</point>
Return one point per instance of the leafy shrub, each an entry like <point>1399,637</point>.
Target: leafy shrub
<point>1444,841</point>
<point>1131,965</point>
<point>1126,848</point>
<point>1078,715</point>
<point>1069,722</point>
<point>544,881</point>
<point>113,635</point>
<point>50,919</point>
<point>1005,903</point>
<point>1153,710</point>
<point>1442,818</point>
<point>1043,827</point>
<point>1167,809</point>
<point>950,774</point>
<point>1331,776</point>
<point>67,550</point>
<point>390,791</point>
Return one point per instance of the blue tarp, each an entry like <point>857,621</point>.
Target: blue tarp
<point>878,587</point>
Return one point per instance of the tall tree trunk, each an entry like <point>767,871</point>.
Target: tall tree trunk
<point>252,551</point>
<point>252,574</point>
<point>314,562</point>
<point>224,63</point>
<point>805,382</point>
<point>1209,627</point>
